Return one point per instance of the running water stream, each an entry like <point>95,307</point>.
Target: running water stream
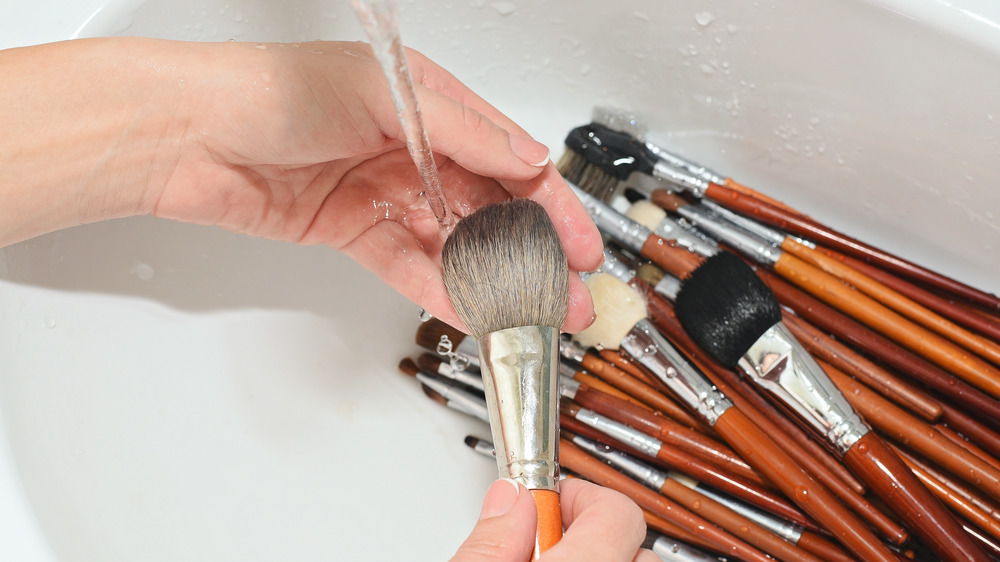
<point>380,20</point>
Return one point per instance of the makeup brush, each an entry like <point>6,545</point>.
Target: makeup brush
<point>732,314</point>
<point>621,323</point>
<point>506,274</point>
<point>859,305</point>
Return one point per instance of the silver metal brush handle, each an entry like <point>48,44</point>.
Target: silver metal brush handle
<point>649,348</point>
<point>520,380</point>
<point>613,224</point>
<point>778,364</point>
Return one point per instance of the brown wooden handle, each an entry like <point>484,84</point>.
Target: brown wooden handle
<point>550,528</point>
<point>903,427</point>
<point>772,461</point>
<point>801,225</point>
<point>889,478</point>
<point>881,318</point>
<point>672,258</point>
<point>576,459</point>
<point>895,300</point>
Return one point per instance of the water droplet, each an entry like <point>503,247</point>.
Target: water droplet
<point>261,46</point>
<point>505,8</point>
<point>704,18</point>
<point>49,322</point>
<point>143,271</point>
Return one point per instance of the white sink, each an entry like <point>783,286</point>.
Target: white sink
<point>171,392</point>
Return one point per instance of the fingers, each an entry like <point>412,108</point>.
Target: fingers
<point>601,525</point>
<point>505,531</point>
<point>646,555</point>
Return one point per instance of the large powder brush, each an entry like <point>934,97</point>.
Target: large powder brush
<point>506,275</point>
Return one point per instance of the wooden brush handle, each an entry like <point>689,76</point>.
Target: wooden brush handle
<point>808,228</point>
<point>903,427</point>
<point>692,467</point>
<point>892,354</point>
<point>772,461</point>
<point>881,318</point>
<point>890,479</point>
<point>732,189</point>
<point>896,301</point>
<point>961,421</point>
<point>550,528</point>
<point>640,390</point>
<point>661,525</point>
<point>669,432</point>
<point>735,523</point>
<point>672,258</point>
<point>846,359</point>
<point>595,470</point>
<point>974,319</point>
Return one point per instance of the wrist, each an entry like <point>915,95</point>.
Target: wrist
<point>92,128</point>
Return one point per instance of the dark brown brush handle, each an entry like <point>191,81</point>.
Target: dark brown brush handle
<point>669,432</point>
<point>595,470</point>
<point>662,526</point>
<point>905,428</point>
<point>975,320</point>
<point>918,339</point>
<point>671,459</point>
<point>819,344</point>
<point>772,461</point>
<point>641,391</point>
<point>896,301</point>
<point>672,258</point>
<point>735,523</point>
<point>594,382</point>
<point>810,229</point>
<point>826,318</point>
<point>890,479</point>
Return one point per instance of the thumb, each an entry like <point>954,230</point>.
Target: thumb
<point>505,531</point>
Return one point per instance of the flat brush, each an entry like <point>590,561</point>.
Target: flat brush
<point>432,363</point>
<point>506,274</point>
<point>439,337</point>
<point>860,306</point>
<point>621,323</point>
<point>733,315</point>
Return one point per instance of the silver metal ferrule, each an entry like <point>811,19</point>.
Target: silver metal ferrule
<point>520,376</point>
<point>458,399</point>
<point>688,385</point>
<point>784,529</point>
<point>619,431</point>
<point>668,286</point>
<point>772,235</point>
<point>673,550</point>
<point>613,224</point>
<point>615,265</point>
<point>779,364</point>
<point>473,380</point>
<point>647,475</point>
<point>749,244</point>
<point>680,178</point>
<point>686,237</point>
<point>678,161</point>
<point>568,386</point>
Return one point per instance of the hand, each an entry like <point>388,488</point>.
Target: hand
<point>601,524</point>
<point>295,142</point>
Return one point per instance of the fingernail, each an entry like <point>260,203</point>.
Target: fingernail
<point>500,498</point>
<point>530,151</point>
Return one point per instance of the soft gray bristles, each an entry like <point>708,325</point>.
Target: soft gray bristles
<point>504,267</point>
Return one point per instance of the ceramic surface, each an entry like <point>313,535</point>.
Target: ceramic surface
<point>171,392</point>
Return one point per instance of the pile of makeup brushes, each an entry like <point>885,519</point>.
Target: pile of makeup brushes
<point>759,383</point>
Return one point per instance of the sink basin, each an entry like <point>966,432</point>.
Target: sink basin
<point>174,392</point>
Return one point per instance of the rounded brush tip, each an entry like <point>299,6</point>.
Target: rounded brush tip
<point>617,307</point>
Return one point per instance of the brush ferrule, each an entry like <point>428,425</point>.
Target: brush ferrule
<point>648,347</point>
<point>669,286</point>
<point>473,380</point>
<point>686,237</point>
<point>771,235</point>
<point>620,432</point>
<point>693,168</point>
<point>571,351</point>
<point>749,244</point>
<point>788,531</point>
<point>568,386</point>
<point>778,364</point>
<point>680,178</point>
<point>640,471</point>
<point>614,265</point>
<point>457,399</point>
<point>520,379</point>
<point>613,224</point>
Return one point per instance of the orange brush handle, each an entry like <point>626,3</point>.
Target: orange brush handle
<point>550,528</point>
<point>672,258</point>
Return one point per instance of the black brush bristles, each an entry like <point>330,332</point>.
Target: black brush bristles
<point>504,267</point>
<point>725,307</point>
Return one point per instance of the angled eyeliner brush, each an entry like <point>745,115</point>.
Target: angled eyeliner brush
<point>733,316</point>
<point>506,274</point>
